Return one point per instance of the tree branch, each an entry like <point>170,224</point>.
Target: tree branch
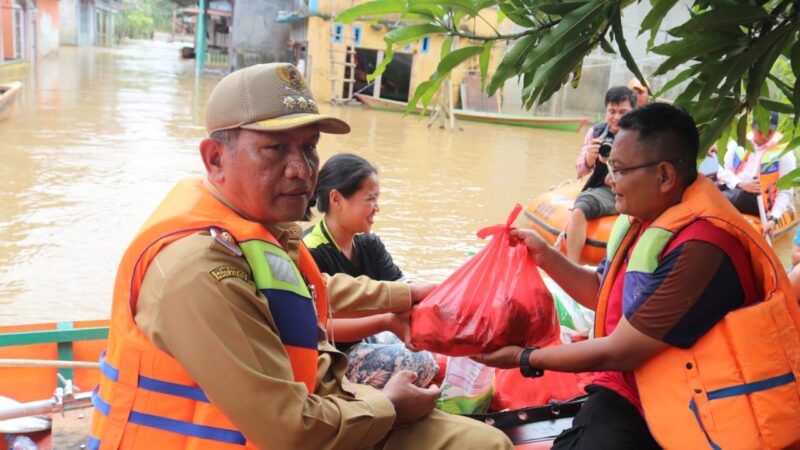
<point>454,31</point>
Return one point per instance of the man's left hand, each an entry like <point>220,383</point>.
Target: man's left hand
<point>503,358</point>
<point>769,229</point>
<point>420,290</point>
<point>400,325</point>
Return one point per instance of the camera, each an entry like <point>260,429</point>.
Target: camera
<point>605,145</point>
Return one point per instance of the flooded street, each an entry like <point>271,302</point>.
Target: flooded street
<point>100,136</point>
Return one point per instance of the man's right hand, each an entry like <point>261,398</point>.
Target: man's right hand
<point>752,186</point>
<point>411,402</point>
<point>537,247</point>
<point>420,290</point>
<point>593,152</point>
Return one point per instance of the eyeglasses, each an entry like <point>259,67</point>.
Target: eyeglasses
<point>619,171</point>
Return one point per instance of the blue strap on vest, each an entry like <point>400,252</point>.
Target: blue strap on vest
<point>151,384</point>
<point>741,389</point>
<point>175,426</point>
<point>163,423</point>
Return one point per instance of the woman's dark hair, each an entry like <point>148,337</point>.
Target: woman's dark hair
<point>344,172</point>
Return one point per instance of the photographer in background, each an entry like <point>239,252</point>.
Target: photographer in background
<point>596,199</point>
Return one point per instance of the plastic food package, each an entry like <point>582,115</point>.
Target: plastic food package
<point>497,298</point>
<point>571,314</point>
<point>467,388</point>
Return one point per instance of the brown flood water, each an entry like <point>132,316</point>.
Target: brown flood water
<point>99,136</point>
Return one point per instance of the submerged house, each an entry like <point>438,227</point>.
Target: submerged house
<point>336,57</point>
<point>28,29</point>
<point>90,22</point>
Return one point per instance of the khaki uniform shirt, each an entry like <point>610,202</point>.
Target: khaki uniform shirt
<point>199,304</point>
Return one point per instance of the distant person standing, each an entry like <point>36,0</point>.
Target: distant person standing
<point>746,175</point>
<point>642,94</point>
<point>596,199</point>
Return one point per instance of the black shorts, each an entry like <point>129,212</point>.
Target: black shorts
<point>607,421</point>
<point>596,202</point>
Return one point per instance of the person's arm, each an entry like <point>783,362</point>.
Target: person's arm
<point>578,282</point>
<point>352,297</point>
<point>624,350</point>
<point>352,330</point>
<point>725,173</point>
<point>694,287</point>
<point>223,334</point>
<point>783,198</point>
<point>582,167</point>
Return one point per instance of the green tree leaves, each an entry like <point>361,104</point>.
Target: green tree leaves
<point>736,58</point>
<point>143,17</point>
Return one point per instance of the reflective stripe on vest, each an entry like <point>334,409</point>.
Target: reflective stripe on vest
<point>290,302</point>
<point>163,423</point>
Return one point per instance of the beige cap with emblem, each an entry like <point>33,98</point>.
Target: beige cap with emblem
<point>266,97</point>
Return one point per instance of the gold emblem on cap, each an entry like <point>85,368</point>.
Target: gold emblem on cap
<point>291,77</point>
<point>299,103</point>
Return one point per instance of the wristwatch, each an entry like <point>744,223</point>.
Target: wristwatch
<point>525,365</point>
<point>772,218</point>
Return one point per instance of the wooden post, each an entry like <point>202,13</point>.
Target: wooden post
<point>200,37</point>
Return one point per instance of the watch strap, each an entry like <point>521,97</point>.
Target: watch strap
<point>525,365</point>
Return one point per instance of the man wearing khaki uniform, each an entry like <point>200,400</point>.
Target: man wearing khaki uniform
<point>199,304</point>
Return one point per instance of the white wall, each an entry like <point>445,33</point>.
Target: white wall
<point>602,70</point>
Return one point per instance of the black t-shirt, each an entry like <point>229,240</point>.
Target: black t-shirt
<point>371,258</point>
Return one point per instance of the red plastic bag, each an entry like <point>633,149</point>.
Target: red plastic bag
<point>513,391</point>
<point>496,298</point>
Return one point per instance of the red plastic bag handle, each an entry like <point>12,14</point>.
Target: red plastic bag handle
<point>483,233</point>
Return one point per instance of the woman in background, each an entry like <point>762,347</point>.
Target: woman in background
<point>341,242</point>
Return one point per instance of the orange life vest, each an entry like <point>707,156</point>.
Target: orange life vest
<point>737,386</point>
<point>145,399</point>
<point>768,167</point>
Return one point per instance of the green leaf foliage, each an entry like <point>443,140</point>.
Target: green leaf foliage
<point>467,6</point>
<point>456,57</point>
<point>484,62</point>
<point>718,19</point>
<point>652,21</point>
<point>372,9</point>
<point>790,179</point>
<point>399,38</point>
<point>731,60</point>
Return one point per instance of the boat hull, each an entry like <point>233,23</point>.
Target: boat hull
<point>63,341</point>
<point>85,341</point>
<point>8,94</point>
<point>563,124</point>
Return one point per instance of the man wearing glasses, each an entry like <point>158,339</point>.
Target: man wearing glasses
<point>696,331</point>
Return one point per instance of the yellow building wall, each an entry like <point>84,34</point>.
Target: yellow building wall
<point>423,64</point>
